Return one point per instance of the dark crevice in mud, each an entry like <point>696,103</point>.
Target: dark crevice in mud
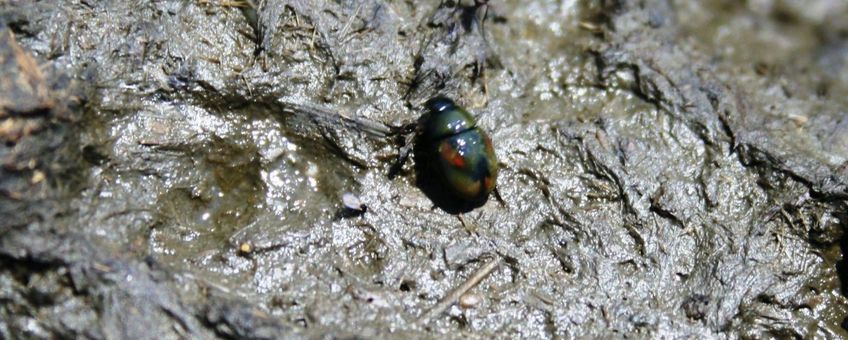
<point>652,84</point>
<point>842,263</point>
<point>25,271</point>
<point>722,117</point>
<point>773,177</point>
<point>18,22</point>
<point>457,30</point>
<point>842,266</point>
<point>762,161</point>
<point>667,215</point>
<point>235,319</point>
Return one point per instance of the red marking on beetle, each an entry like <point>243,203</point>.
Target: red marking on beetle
<point>452,156</point>
<point>458,161</point>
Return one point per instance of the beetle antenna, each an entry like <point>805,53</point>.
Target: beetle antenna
<point>403,153</point>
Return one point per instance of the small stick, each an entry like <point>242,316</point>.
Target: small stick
<point>454,295</point>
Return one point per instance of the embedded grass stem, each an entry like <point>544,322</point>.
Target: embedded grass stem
<point>457,292</point>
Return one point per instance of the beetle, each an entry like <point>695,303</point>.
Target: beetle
<point>456,163</point>
<point>460,153</point>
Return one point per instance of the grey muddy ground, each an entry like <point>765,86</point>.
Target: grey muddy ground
<point>175,169</point>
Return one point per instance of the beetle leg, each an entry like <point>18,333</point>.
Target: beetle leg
<point>471,229</point>
<point>500,199</point>
<point>403,155</point>
<point>403,129</point>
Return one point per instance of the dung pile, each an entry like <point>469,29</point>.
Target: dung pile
<point>186,169</point>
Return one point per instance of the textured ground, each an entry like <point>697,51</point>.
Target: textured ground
<point>176,169</point>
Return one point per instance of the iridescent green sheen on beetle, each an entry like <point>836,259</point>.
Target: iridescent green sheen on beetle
<point>459,151</point>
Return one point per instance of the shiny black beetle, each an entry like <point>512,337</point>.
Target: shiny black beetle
<point>455,159</point>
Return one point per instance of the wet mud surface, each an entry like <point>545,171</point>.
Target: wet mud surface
<point>209,169</point>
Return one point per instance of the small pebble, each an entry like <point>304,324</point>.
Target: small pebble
<point>799,120</point>
<point>245,248</point>
<point>37,176</point>
<point>352,202</point>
